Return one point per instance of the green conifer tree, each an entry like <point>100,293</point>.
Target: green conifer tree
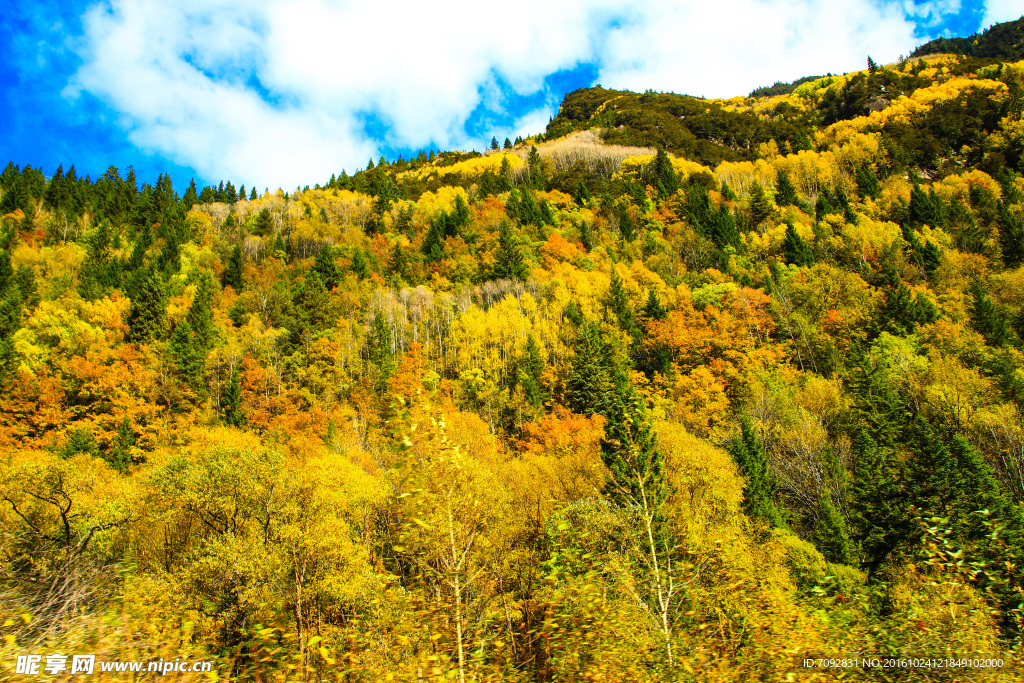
<point>761,488</point>
<point>232,275</point>
<point>146,314</point>
<point>378,345</point>
<point>231,412</point>
<point>398,265</point>
<point>508,261</point>
<point>1011,237</point>
<point>785,192</point>
<point>528,373</point>
<point>187,354</point>
<point>326,267</point>
<point>760,205</point>
<point>796,249</point>
<point>666,180</point>
<point>200,312</point>
<point>359,266</point>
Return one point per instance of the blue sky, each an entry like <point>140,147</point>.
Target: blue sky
<point>284,93</point>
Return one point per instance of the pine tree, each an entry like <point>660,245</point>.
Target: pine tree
<point>187,356</point>
<point>232,275</point>
<point>617,302</point>
<point>637,481</point>
<point>537,178</point>
<point>398,265</point>
<point>508,144</point>
<point>653,309</point>
<point>867,183</point>
<point>378,345</point>
<point>508,261</point>
<point>878,503</point>
<point>590,374</point>
<point>100,273</point>
<point>760,205</point>
<point>313,304</point>
<point>146,315</point>
<point>231,403</point>
<point>1011,237</point>
<point>494,143</point>
<point>190,198</point>
<point>11,305</point>
<point>264,223</point>
<point>200,313</point>
<point>785,192</point>
<point>796,249</point>
<point>528,373</point>
<point>986,318</point>
<point>326,268</point>
<point>665,178</point>
<point>359,266</point>
<point>505,174</point>
<point>120,454</point>
<point>760,491</point>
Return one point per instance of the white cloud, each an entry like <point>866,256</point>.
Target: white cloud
<point>189,78</point>
<point>1001,10</point>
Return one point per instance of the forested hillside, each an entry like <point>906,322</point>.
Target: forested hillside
<point>679,390</point>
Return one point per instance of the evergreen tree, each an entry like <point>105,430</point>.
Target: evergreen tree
<point>1011,237</point>
<point>926,208</point>
<point>537,179</point>
<point>263,225</point>
<point>590,374</point>
<point>232,275</point>
<point>10,321</point>
<point>785,192</point>
<point>252,195</point>
<point>239,312</point>
<point>508,144</point>
<point>582,194</point>
<point>508,261</point>
<point>433,243</point>
<point>200,313</point>
<point>617,302</point>
<point>190,198</point>
<point>528,374</point>
<point>100,273</point>
<point>398,265</point>
<point>903,311</point>
<point>119,456</point>
<point>796,249</point>
<point>760,205</point>
<point>378,345</point>
<point>666,181</point>
<point>359,266</point>
<point>494,143</point>
<point>187,354</point>
<point>653,309</point>
<point>760,491</point>
<point>867,183</point>
<point>146,314</point>
<point>505,174</point>
<point>231,403</point>
<point>313,304</point>
<point>878,503</point>
<point>986,318</point>
<point>326,268</point>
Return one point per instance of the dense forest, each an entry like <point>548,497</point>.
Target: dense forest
<point>677,390</point>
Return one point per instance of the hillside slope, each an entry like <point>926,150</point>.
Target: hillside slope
<point>678,390</point>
